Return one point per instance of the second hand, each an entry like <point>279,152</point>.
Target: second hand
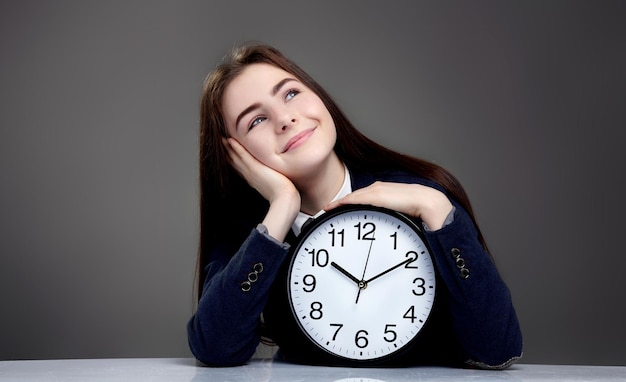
<point>364,269</point>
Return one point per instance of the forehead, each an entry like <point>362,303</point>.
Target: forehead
<point>251,85</point>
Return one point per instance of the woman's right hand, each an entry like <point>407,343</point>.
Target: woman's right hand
<point>276,188</point>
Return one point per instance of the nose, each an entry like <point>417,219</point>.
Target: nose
<point>292,121</point>
<point>287,122</point>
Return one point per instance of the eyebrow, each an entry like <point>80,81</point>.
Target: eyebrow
<point>275,89</point>
<point>280,84</point>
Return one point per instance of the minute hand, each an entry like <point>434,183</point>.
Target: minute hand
<point>388,270</point>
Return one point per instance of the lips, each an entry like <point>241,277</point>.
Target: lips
<point>298,139</point>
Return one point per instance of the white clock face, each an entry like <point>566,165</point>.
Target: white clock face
<point>362,284</point>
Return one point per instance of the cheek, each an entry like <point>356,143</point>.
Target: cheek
<point>261,151</point>
<point>317,106</point>
<point>324,114</point>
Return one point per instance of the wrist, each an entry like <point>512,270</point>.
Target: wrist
<point>281,214</point>
<point>435,213</point>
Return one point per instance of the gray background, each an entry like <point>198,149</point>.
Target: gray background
<point>523,101</point>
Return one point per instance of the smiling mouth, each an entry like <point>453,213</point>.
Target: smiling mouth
<point>298,139</point>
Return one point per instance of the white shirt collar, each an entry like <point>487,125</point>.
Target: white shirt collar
<point>345,189</point>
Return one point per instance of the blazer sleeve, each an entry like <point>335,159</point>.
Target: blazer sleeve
<point>224,329</point>
<point>480,303</point>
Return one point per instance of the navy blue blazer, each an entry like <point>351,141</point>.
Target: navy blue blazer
<point>473,322</point>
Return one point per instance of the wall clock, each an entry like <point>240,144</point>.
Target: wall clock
<point>361,283</point>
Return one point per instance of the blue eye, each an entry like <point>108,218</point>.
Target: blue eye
<point>256,121</point>
<point>290,94</point>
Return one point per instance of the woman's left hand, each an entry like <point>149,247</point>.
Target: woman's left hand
<point>416,200</point>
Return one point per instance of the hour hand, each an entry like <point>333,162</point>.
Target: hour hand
<point>345,273</point>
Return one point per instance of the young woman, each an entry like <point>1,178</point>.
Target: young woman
<point>275,150</point>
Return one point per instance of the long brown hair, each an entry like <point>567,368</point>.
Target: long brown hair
<point>229,208</point>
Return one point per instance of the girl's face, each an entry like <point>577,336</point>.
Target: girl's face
<point>279,120</point>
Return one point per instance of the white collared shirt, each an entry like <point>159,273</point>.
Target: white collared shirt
<point>302,217</point>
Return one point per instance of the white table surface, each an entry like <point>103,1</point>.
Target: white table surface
<point>185,369</point>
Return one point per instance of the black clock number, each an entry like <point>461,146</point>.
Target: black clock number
<point>368,231</point>
<point>316,310</point>
<point>393,334</point>
<point>420,286</point>
<point>360,340</point>
<point>413,256</point>
<point>332,234</point>
<point>319,258</point>
<point>395,240</point>
<point>339,326</point>
<point>308,281</point>
<point>410,314</point>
